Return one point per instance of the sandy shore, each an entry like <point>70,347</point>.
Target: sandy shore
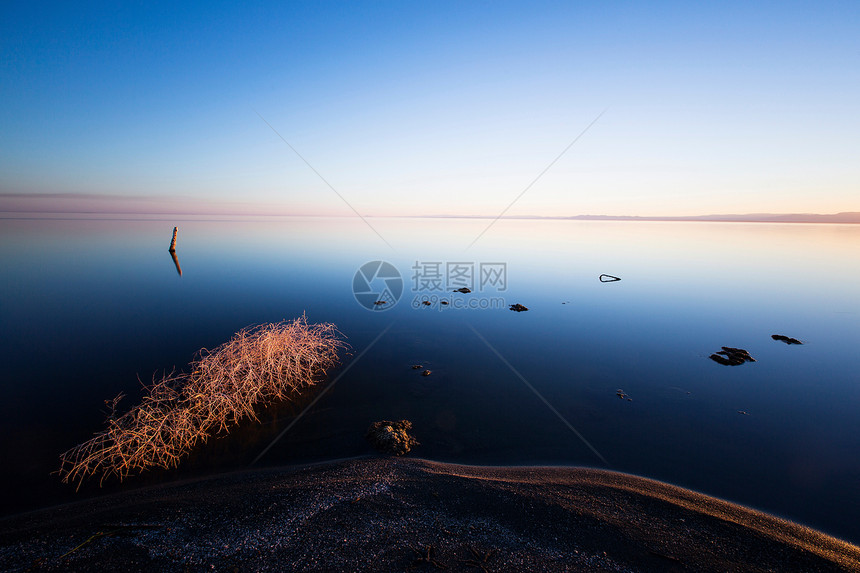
<point>385,514</point>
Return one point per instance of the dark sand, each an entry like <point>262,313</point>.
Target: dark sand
<point>384,514</point>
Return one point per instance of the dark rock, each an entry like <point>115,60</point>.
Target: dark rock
<point>379,302</point>
<point>463,290</point>
<point>391,437</point>
<point>443,302</point>
<point>427,373</point>
<point>786,339</point>
<point>732,356</point>
<point>740,352</point>
<point>417,367</point>
<point>426,303</point>
<point>518,307</point>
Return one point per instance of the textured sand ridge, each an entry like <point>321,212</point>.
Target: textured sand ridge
<point>386,514</point>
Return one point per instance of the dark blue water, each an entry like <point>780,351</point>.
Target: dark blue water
<point>88,307</point>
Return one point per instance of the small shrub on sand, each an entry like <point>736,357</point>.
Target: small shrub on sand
<point>259,365</point>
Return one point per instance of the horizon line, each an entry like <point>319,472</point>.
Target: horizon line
<point>849,217</point>
<point>29,205</point>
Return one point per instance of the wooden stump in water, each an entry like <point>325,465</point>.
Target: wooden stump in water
<point>173,240</point>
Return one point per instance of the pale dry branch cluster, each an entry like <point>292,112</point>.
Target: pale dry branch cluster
<point>259,365</point>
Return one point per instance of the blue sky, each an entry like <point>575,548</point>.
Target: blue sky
<point>434,108</point>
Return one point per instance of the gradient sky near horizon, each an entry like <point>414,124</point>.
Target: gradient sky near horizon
<point>411,108</point>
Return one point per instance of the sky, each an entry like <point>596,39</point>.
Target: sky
<point>431,108</point>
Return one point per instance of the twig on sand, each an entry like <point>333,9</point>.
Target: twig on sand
<point>425,557</point>
<point>110,532</point>
<point>91,538</point>
<point>480,560</point>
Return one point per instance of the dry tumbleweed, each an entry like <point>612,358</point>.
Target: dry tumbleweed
<point>259,365</point>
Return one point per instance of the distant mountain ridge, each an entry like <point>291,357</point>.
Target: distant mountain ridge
<point>844,217</point>
<point>852,217</point>
<point>90,203</point>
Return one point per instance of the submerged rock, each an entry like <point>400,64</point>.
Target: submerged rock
<point>518,307</point>
<point>729,356</point>
<point>739,352</point>
<point>417,367</point>
<point>391,437</point>
<point>786,339</point>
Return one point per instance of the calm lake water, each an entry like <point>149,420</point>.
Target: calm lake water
<point>88,307</point>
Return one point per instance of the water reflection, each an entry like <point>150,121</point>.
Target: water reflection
<point>176,262</point>
<point>95,309</point>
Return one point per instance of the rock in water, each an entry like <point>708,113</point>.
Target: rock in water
<point>518,307</point>
<point>739,352</point>
<point>391,437</point>
<point>786,339</point>
<point>732,356</point>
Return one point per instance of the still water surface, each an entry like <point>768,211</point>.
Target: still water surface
<point>88,307</point>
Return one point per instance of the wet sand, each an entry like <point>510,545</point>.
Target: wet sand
<point>387,514</point>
